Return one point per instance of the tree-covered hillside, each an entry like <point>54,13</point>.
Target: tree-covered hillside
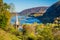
<point>51,13</point>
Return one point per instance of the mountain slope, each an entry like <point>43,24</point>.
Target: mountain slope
<point>32,10</point>
<point>51,13</point>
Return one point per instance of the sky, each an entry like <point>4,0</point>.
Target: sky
<point>21,5</point>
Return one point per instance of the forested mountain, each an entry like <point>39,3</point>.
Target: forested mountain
<point>51,13</point>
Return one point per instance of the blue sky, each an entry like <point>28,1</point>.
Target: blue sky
<point>20,5</point>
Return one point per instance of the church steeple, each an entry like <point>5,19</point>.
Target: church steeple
<point>17,23</point>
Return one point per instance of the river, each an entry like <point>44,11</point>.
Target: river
<point>24,20</point>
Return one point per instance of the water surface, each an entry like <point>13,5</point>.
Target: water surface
<point>24,20</point>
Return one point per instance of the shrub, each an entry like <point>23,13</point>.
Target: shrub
<point>7,36</point>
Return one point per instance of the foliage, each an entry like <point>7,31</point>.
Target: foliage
<point>7,36</point>
<point>57,37</point>
<point>41,32</point>
<point>7,32</point>
<point>4,14</point>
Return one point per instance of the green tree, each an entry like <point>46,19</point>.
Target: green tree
<point>4,14</point>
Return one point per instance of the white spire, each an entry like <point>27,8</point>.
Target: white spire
<point>17,20</point>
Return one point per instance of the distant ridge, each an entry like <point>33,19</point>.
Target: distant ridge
<point>32,10</point>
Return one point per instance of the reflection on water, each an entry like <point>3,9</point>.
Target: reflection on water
<point>24,19</point>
